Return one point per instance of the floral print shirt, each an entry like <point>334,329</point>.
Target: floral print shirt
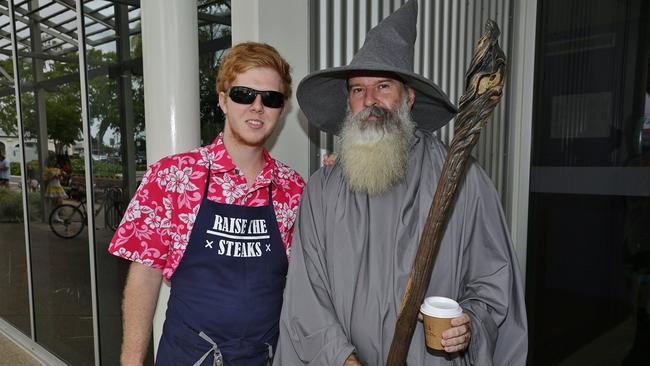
<point>157,223</point>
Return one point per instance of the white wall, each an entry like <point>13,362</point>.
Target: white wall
<point>520,84</point>
<point>285,26</point>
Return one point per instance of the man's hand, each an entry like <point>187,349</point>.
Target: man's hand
<point>329,159</point>
<point>456,339</point>
<point>352,361</point>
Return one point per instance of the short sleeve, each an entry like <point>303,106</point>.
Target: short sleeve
<point>143,235</point>
<point>286,200</point>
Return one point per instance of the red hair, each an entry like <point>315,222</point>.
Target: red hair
<point>250,55</point>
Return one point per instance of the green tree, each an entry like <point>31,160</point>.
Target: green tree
<point>103,104</point>
<point>63,119</point>
<point>212,118</point>
<point>63,104</point>
<point>8,121</point>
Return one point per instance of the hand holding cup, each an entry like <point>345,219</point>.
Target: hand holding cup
<point>444,315</point>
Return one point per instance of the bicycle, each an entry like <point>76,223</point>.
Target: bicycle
<point>68,220</point>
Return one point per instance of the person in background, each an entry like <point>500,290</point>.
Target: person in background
<point>32,182</point>
<point>5,171</point>
<point>63,163</point>
<point>54,192</point>
<point>216,222</point>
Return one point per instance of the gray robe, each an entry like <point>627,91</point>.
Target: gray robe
<point>351,259</point>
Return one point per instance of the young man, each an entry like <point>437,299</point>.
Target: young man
<point>361,219</point>
<point>217,223</point>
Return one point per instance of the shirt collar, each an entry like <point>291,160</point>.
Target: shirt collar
<point>222,162</point>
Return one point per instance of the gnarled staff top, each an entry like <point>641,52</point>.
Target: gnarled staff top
<point>484,78</point>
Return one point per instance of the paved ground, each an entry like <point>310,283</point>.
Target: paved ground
<point>12,355</point>
<point>62,292</point>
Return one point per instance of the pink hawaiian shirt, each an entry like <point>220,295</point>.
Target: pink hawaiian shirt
<point>157,223</point>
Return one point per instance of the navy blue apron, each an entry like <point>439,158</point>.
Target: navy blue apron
<point>226,294</point>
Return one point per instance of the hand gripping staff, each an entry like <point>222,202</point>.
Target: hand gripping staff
<point>483,88</point>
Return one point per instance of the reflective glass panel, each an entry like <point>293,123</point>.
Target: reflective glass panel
<point>588,268</point>
<point>51,109</point>
<point>116,125</point>
<point>14,302</point>
<point>214,41</point>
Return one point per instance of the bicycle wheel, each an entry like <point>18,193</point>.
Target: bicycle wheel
<point>113,215</point>
<point>113,207</point>
<point>110,216</point>
<point>67,221</point>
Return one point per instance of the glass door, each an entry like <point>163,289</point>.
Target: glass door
<point>588,266</point>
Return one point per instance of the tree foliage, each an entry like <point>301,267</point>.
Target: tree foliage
<point>62,103</point>
<point>62,110</point>
<point>212,118</point>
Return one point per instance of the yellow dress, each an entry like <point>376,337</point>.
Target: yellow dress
<point>52,177</point>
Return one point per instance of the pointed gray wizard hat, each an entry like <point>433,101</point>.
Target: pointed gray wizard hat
<point>389,48</point>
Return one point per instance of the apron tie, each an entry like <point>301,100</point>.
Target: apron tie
<point>218,358</point>
<point>270,350</point>
<point>269,361</point>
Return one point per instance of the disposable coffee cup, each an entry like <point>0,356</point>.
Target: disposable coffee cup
<point>437,313</point>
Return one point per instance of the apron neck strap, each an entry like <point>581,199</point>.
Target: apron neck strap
<point>207,181</point>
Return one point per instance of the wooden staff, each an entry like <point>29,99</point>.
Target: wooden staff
<point>483,89</point>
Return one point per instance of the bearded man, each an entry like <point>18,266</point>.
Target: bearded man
<point>360,222</point>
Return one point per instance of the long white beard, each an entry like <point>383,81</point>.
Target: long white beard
<point>374,154</point>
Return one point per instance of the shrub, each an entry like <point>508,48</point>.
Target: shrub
<point>105,169</point>
<point>77,166</point>
<point>34,199</point>
<point>100,168</point>
<point>15,168</point>
<point>11,205</point>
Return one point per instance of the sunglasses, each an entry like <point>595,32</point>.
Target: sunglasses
<point>244,95</point>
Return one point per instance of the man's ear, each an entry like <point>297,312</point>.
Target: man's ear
<point>284,110</point>
<point>411,98</point>
<point>222,102</point>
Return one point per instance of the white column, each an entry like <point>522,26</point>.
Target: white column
<point>170,57</point>
<point>522,71</point>
<point>285,26</point>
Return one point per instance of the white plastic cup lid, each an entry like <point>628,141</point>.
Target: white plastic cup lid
<point>441,307</point>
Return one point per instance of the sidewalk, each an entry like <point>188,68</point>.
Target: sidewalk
<point>14,355</point>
